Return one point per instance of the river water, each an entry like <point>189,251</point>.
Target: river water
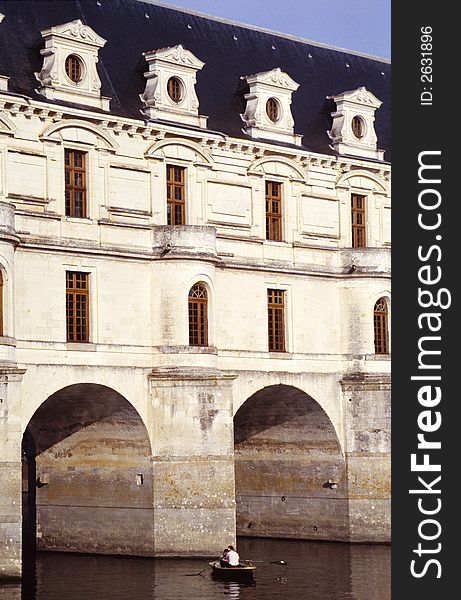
<point>314,571</point>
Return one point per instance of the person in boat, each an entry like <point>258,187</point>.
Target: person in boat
<point>232,557</point>
<point>224,561</point>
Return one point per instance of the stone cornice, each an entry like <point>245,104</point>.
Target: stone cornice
<point>214,140</point>
<point>222,262</point>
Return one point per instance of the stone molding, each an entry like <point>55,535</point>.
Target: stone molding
<point>360,104</point>
<point>61,41</point>
<point>277,85</point>
<point>166,63</point>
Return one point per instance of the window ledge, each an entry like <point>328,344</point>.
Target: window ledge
<point>281,355</point>
<point>276,243</point>
<point>373,357</point>
<point>81,346</point>
<point>188,349</point>
<point>80,220</point>
<point>6,340</point>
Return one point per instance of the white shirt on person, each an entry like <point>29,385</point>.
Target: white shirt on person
<point>233,558</point>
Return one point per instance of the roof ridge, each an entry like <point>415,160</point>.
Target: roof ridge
<point>281,34</point>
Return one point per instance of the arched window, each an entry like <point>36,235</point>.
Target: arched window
<point>380,317</point>
<point>198,315</point>
<point>1,303</point>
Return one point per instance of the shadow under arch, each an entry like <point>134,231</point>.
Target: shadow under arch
<point>290,470</point>
<point>87,474</point>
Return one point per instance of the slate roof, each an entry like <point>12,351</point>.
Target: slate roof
<point>132,27</point>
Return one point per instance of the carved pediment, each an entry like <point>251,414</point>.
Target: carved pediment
<point>77,31</point>
<point>359,96</point>
<point>176,54</point>
<point>275,77</point>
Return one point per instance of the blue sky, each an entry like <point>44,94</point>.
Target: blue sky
<point>362,25</point>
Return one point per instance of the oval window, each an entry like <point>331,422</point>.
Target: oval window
<point>358,127</point>
<point>273,110</point>
<point>74,68</point>
<point>175,89</point>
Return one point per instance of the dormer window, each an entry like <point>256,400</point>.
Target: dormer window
<point>170,87</point>
<point>268,110</point>
<point>353,131</point>
<point>74,68</point>
<point>69,71</point>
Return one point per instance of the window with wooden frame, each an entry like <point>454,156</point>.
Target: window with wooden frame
<point>77,306</point>
<point>75,183</point>
<point>1,303</point>
<point>272,110</point>
<point>381,324</point>
<point>358,127</point>
<point>276,320</point>
<point>274,211</point>
<point>176,195</point>
<point>74,69</point>
<point>175,89</point>
<point>358,221</point>
<point>198,315</point>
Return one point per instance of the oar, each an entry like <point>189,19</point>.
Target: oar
<point>272,562</point>
<point>195,574</point>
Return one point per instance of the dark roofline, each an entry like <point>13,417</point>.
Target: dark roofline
<point>287,36</point>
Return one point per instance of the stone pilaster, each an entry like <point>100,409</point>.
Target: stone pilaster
<point>10,473</point>
<point>366,401</point>
<point>193,465</point>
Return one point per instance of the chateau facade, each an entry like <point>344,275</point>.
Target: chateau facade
<point>195,277</point>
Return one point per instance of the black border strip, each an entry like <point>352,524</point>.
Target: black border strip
<point>425,131</point>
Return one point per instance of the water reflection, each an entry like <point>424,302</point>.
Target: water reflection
<point>232,589</point>
<point>316,571</point>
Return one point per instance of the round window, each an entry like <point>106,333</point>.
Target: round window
<point>74,68</point>
<point>358,127</point>
<point>273,110</point>
<point>175,89</point>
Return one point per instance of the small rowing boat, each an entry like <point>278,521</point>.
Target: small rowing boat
<point>245,570</point>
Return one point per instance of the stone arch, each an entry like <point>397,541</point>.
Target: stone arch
<point>90,455</point>
<point>323,390</point>
<point>384,293</point>
<point>343,180</point>
<point>50,133</point>
<point>51,381</point>
<point>257,167</point>
<point>290,471</point>
<point>201,156</point>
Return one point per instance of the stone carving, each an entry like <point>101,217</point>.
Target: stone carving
<point>164,64</point>
<point>277,86</point>
<point>60,42</point>
<point>358,104</point>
